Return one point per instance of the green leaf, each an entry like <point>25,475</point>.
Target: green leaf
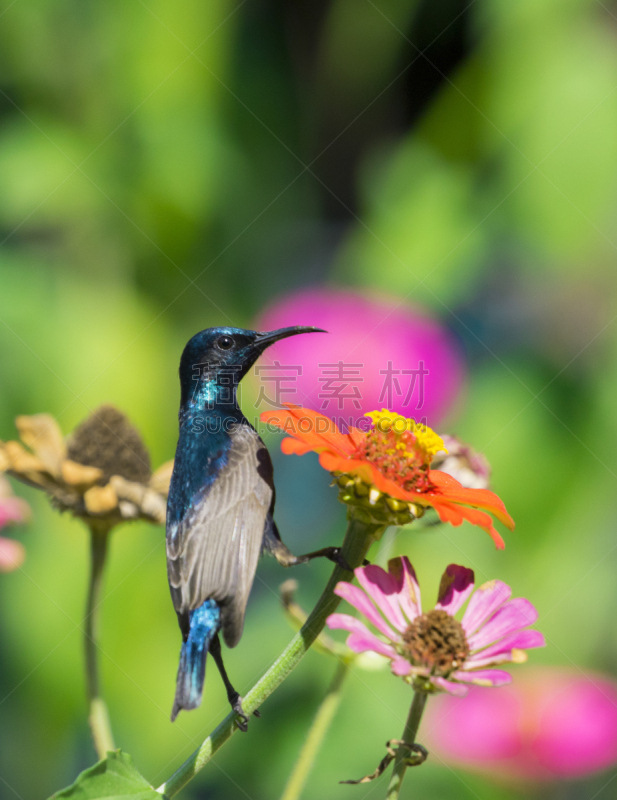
<point>114,778</point>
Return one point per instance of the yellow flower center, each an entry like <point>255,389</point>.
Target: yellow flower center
<point>424,437</point>
<point>401,448</point>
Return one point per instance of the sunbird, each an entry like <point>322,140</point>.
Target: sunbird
<point>220,506</point>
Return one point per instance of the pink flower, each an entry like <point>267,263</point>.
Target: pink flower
<point>377,352</point>
<point>553,723</point>
<point>461,461</point>
<point>433,650</point>
<point>12,510</point>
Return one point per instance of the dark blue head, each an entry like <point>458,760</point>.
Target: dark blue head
<point>220,357</point>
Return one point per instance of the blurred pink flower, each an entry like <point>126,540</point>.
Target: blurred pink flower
<point>551,724</point>
<point>461,461</point>
<point>12,510</point>
<point>433,650</point>
<point>377,352</point>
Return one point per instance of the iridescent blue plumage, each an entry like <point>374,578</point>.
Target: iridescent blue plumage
<point>220,506</point>
<point>204,624</point>
<point>199,460</point>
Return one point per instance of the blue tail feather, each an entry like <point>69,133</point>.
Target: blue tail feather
<point>205,622</point>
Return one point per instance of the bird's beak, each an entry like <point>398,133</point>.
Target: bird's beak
<point>266,339</point>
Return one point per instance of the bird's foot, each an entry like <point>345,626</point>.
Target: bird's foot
<point>334,554</point>
<point>331,553</point>
<point>242,721</point>
<point>287,559</point>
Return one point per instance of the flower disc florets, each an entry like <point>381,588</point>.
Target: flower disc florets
<point>435,641</point>
<point>108,441</point>
<point>401,449</point>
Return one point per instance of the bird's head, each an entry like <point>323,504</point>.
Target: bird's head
<point>222,356</point>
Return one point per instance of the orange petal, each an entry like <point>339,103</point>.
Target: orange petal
<point>357,436</point>
<point>451,489</point>
<point>354,466</point>
<point>291,446</point>
<point>317,431</point>
<point>455,514</point>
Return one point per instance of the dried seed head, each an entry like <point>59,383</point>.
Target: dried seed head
<point>107,440</point>
<point>437,642</point>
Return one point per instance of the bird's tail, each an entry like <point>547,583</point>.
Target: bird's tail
<point>205,623</point>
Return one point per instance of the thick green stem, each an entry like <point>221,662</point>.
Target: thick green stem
<point>317,731</point>
<point>98,716</point>
<point>409,736</point>
<point>358,539</point>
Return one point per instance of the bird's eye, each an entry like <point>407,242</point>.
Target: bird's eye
<point>225,343</point>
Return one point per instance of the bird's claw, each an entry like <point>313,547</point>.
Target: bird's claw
<point>336,555</point>
<point>242,721</point>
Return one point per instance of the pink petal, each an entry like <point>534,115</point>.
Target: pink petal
<point>450,686</point>
<point>360,644</point>
<point>382,588</point>
<point>360,639</point>
<point>346,622</point>
<point>455,587</point>
<point>12,555</point>
<point>13,509</point>
<point>517,614</point>
<point>486,600</point>
<point>359,600</point>
<point>501,651</point>
<point>495,677</point>
<point>400,666</point>
<point>407,586</point>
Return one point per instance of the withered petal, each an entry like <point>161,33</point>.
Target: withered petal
<point>128,510</point>
<point>41,433</point>
<point>78,476</point>
<point>161,477</point>
<point>100,499</point>
<point>149,502</point>
<point>20,461</point>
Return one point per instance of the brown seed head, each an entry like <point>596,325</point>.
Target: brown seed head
<point>107,440</point>
<point>437,642</point>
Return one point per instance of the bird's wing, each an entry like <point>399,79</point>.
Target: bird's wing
<point>214,551</point>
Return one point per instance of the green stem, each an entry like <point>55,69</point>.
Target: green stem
<point>358,539</point>
<point>98,716</point>
<point>317,731</point>
<point>409,736</point>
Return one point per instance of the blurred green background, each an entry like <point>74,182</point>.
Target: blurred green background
<point>169,167</point>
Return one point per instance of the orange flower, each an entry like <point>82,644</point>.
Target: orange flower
<point>391,463</point>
